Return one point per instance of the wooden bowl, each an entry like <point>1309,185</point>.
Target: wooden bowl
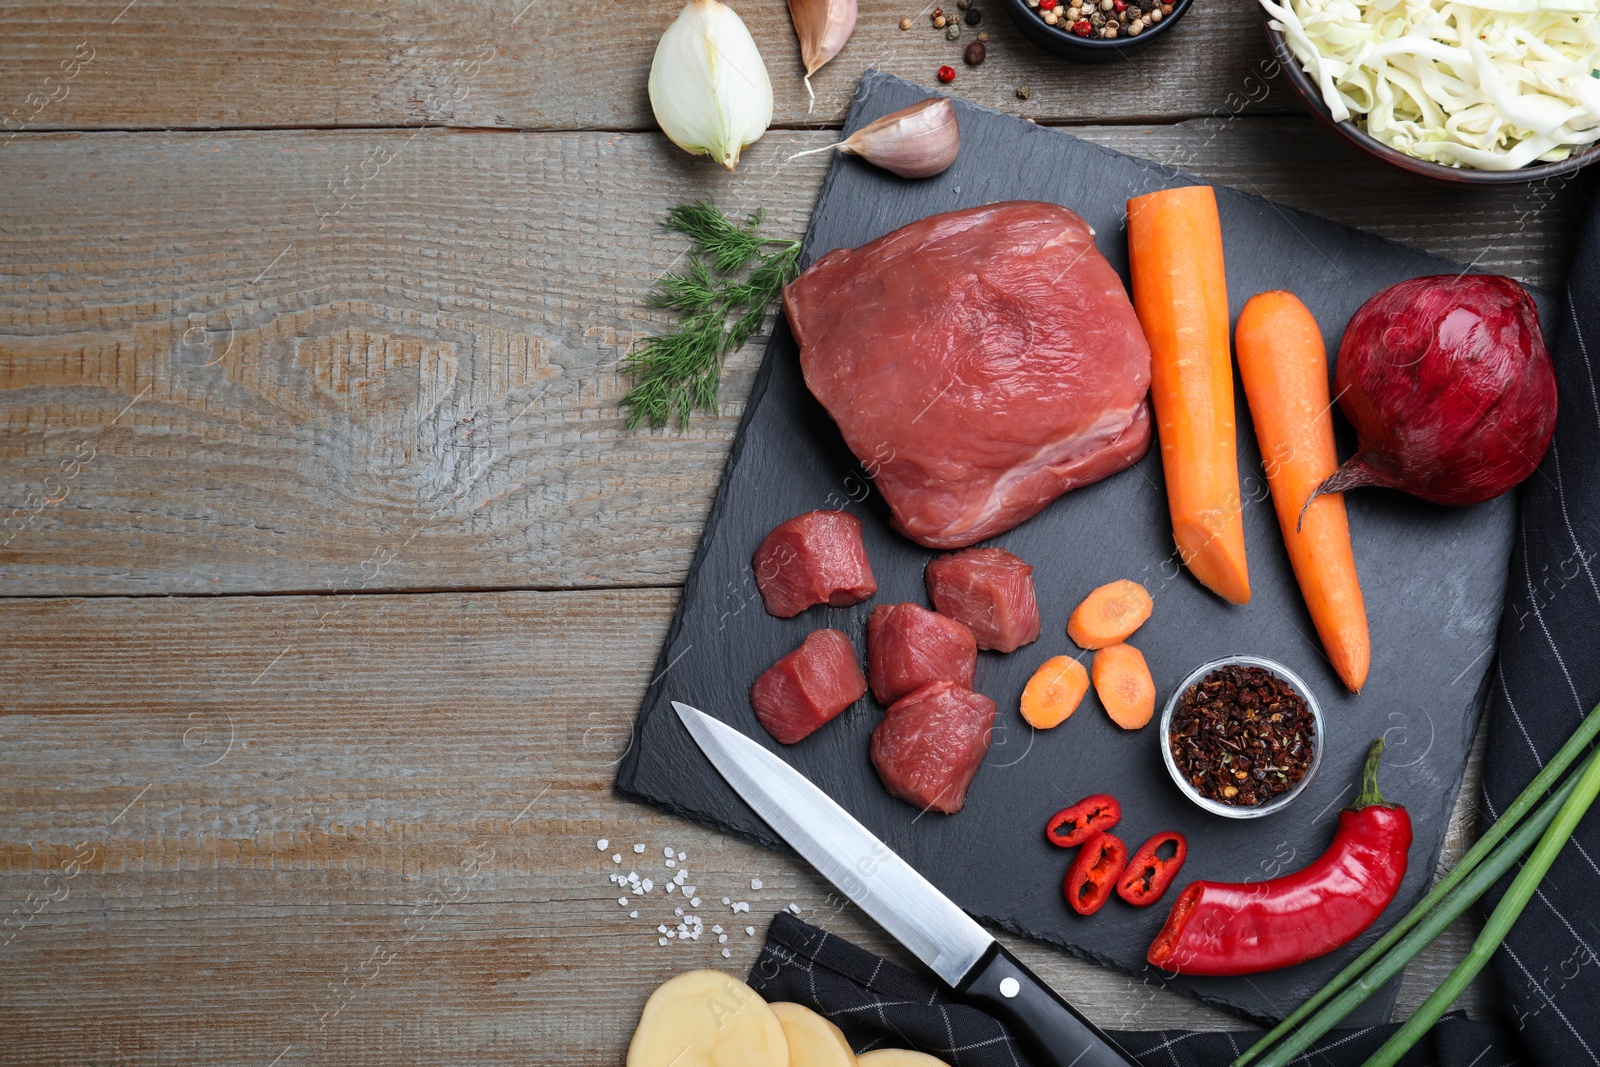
<point>1394,159</point>
<point>1062,42</point>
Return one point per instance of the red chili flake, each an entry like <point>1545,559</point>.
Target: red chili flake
<point>948,74</point>
<point>1081,27</point>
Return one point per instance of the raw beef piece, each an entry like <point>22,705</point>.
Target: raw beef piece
<point>909,646</point>
<point>979,363</point>
<point>991,591</point>
<point>808,687</point>
<point>929,745</point>
<point>815,558</point>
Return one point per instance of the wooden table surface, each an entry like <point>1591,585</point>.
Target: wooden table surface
<point>330,579</point>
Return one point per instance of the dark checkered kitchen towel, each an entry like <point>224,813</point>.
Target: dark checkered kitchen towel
<point>1546,678</point>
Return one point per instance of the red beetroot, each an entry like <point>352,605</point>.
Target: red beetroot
<point>1449,386</point>
<point>929,745</point>
<point>815,558</point>
<point>909,646</point>
<point>808,687</point>
<point>991,591</point>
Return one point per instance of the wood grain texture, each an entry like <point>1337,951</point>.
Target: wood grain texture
<point>537,64</point>
<point>361,829</point>
<point>356,361</point>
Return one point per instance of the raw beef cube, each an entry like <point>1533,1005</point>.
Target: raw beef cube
<point>815,558</point>
<point>991,591</point>
<point>929,745</point>
<point>909,646</point>
<point>991,354</point>
<point>809,686</point>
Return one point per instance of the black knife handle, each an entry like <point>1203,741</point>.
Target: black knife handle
<point>1050,1029</point>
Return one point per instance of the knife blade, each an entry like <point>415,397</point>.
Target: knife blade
<point>960,952</point>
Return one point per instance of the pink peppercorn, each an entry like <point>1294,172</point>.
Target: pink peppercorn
<point>948,74</point>
<point>1081,27</point>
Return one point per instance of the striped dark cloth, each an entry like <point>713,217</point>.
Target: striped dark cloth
<point>879,1005</point>
<point>1547,677</point>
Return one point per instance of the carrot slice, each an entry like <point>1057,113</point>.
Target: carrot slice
<point>1181,295</point>
<point>1110,614</point>
<point>1284,367</point>
<point>1054,692</point>
<point>1123,683</point>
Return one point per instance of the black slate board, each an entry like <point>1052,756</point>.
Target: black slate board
<point>1434,579</point>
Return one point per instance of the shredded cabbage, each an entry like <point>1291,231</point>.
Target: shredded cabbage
<point>1484,84</point>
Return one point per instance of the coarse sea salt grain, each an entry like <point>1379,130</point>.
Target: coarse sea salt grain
<point>740,906</point>
<point>726,954</point>
<point>681,876</point>
<point>717,929</point>
<point>671,863</point>
<point>602,844</point>
<point>623,901</point>
<point>661,941</point>
<point>616,857</point>
<point>633,915</point>
<point>667,852</point>
<point>689,890</point>
<point>793,909</point>
<point>695,903</point>
<point>726,902</point>
<point>755,883</point>
<point>648,885</point>
<point>683,856</point>
<point>722,938</point>
<point>638,848</point>
<point>750,931</point>
<point>671,886</point>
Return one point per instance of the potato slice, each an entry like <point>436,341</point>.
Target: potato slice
<point>813,1040</point>
<point>707,1019</point>
<point>898,1057</point>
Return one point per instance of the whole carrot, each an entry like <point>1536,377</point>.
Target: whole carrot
<point>1285,371</point>
<point>1181,295</point>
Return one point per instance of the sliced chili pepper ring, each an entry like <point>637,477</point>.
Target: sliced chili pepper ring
<point>1076,823</point>
<point>1149,873</point>
<point>1094,873</point>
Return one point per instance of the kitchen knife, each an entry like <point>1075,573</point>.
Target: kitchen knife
<point>964,956</point>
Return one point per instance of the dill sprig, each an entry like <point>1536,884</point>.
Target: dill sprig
<point>721,299</point>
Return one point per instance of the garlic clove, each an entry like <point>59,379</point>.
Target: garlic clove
<point>915,142</point>
<point>823,27</point>
<point>708,85</point>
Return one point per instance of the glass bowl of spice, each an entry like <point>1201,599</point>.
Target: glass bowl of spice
<point>1242,736</point>
<point>1094,31</point>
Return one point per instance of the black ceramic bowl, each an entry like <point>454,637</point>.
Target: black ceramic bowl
<point>1394,159</point>
<point>1063,42</point>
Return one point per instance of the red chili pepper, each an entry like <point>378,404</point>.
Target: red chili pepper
<point>1149,873</point>
<point>1094,872</point>
<point>1076,823</point>
<point>947,74</point>
<point>1243,928</point>
<point>1082,27</point>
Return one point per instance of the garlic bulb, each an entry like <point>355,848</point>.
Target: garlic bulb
<point>708,86</point>
<point>915,142</point>
<point>823,27</point>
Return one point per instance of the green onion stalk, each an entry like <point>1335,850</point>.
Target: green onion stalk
<point>1510,820</point>
<point>1500,921</point>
